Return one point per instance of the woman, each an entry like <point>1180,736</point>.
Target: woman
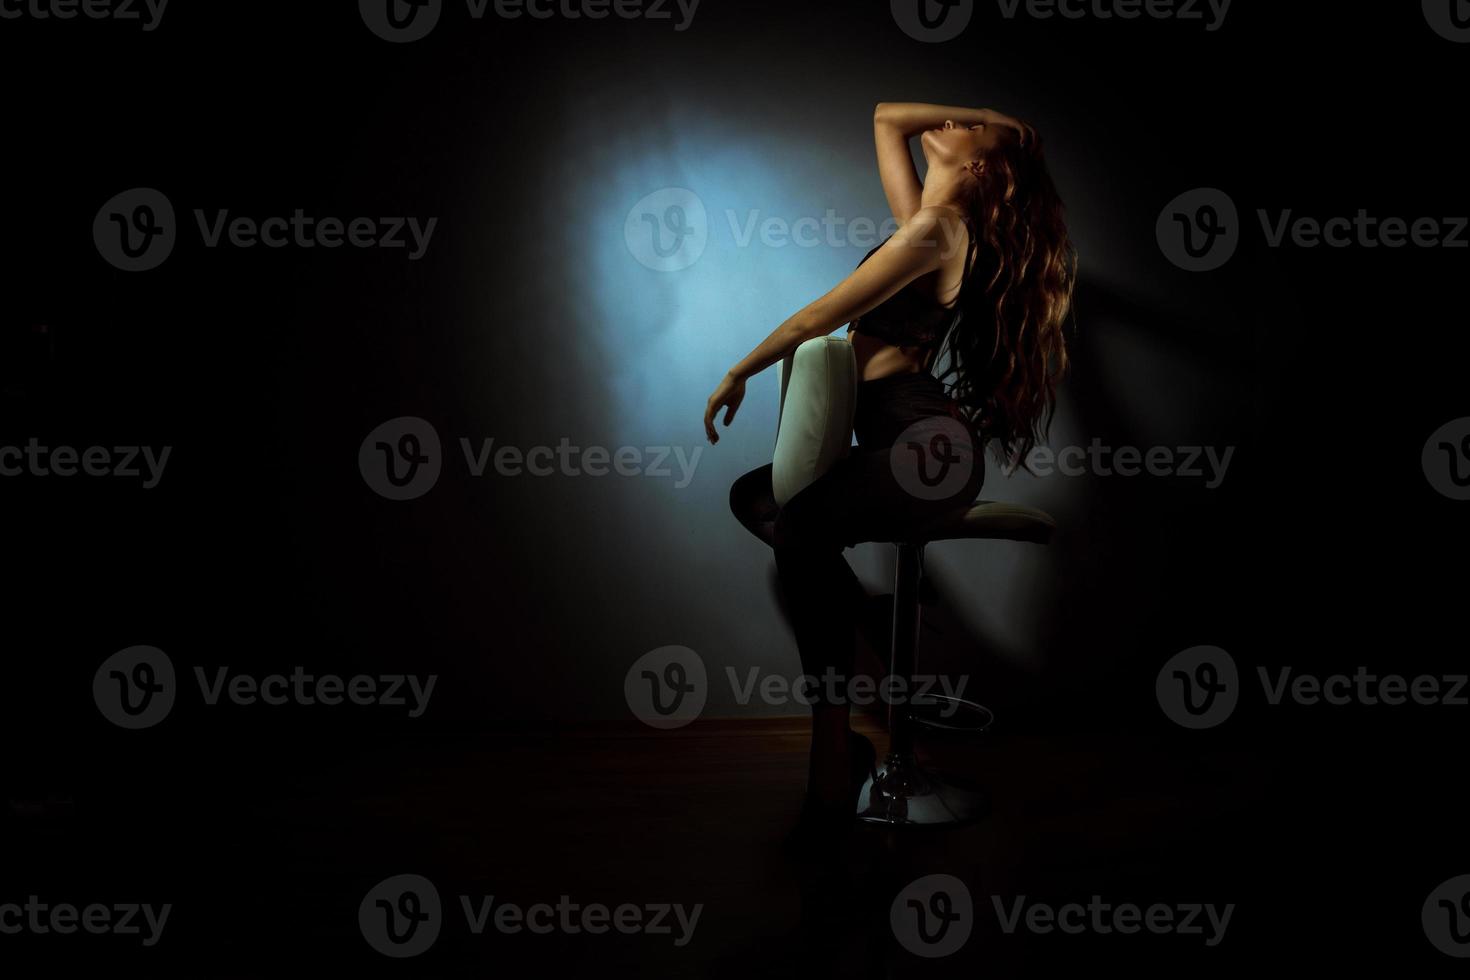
<point>981,260</point>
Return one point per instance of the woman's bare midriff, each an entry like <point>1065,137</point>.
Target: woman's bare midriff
<point>876,359</point>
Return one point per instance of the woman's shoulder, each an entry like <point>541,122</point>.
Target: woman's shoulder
<point>874,249</point>
<point>935,225</point>
<point>935,217</point>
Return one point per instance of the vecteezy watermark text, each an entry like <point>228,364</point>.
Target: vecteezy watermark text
<point>1124,918</point>
<point>668,230</point>
<point>404,21</point>
<point>1211,13</point>
<point>1200,688</point>
<point>402,916</point>
<point>934,916</point>
<point>1200,230</point>
<point>40,918</point>
<point>834,688</point>
<point>304,231</point>
<point>1098,459</point>
<point>936,21</point>
<point>668,688</point>
<point>148,13</point>
<point>137,230</point>
<point>403,458</point>
<point>135,688</point>
<point>36,459</point>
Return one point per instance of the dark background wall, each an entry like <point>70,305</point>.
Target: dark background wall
<point>530,320</point>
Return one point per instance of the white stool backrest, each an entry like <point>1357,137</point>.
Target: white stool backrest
<point>814,425</point>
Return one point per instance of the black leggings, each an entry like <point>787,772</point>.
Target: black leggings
<point>914,463</point>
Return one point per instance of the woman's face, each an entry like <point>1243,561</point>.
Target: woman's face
<point>952,145</point>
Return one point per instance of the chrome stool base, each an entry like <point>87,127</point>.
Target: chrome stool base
<point>901,793</point>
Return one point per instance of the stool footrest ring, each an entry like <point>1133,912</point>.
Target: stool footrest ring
<point>948,715</point>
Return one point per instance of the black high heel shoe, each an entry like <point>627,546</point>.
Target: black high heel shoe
<point>821,825</point>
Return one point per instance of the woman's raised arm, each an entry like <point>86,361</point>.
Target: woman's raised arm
<point>895,122</point>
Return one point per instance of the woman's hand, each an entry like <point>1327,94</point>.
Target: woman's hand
<point>1027,134</point>
<point>728,394</point>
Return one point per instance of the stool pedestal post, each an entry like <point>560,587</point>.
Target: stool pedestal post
<point>899,792</point>
<point>904,643</point>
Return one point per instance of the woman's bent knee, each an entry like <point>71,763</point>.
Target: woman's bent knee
<point>752,502</point>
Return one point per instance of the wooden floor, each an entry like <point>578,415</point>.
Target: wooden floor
<point>268,866</point>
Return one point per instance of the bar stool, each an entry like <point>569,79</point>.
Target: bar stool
<point>818,390</point>
<point>900,792</point>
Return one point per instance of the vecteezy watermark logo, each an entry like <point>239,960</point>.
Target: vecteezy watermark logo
<point>136,230</point>
<point>668,230</point>
<point>667,688</point>
<point>1125,918</point>
<point>934,459</point>
<point>401,916</point>
<point>1446,459</point>
<point>124,919</point>
<point>933,916</point>
<point>1446,917</point>
<point>148,12</point>
<point>933,21</point>
<point>1199,230</point>
<point>1449,18</point>
<point>401,21</point>
<point>1198,687</point>
<point>38,460</point>
<point>401,458</point>
<point>944,20</point>
<point>134,688</point>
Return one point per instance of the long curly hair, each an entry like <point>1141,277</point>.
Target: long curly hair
<point>1006,349</point>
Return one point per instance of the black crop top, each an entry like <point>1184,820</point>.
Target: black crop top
<point>908,318</point>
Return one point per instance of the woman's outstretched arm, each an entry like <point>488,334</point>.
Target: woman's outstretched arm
<point>915,249</point>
